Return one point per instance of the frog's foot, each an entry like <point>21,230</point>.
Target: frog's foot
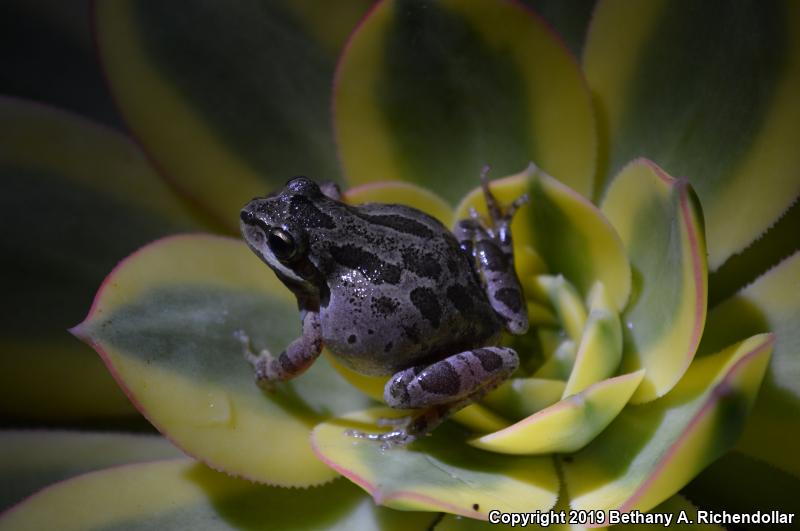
<point>500,217</point>
<point>259,361</point>
<point>391,439</point>
<point>408,428</point>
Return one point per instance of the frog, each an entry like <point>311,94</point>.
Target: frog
<point>390,291</point>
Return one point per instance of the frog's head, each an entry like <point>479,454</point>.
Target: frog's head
<point>276,228</point>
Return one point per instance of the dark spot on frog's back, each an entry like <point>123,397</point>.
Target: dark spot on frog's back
<point>422,264</point>
<point>460,297</point>
<point>384,306</point>
<point>302,208</point>
<point>367,263</point>
<point>425,300</point>
<point>400,224</point>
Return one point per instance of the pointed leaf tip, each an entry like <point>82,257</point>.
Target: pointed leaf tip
<point>568,425</point>
<point>651,451</point>
<point>661,225</point>
<point>164,323</point>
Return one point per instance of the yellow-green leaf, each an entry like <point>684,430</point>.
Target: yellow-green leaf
<point>723,485</point>
<point>182,494</point>
<point>561,352</point>
<point>230,100</point>
<point>480,418</point>
<point>661,225</point>
<point>520,397</point>
<point>568,425</point>
<point>652,450</point>
<point>32,459</point>
<point>438,473</point>
<point>772,303</point>
<point>164,323</point>
<point>401,193</point>
<point>566,301</point>
<point>600,348</point>
<point>76,198</point>
<point>429,92</point>
<point>681,511</point>
<point>708,92</point>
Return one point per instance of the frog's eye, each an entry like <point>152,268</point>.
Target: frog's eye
<point>282,244</point>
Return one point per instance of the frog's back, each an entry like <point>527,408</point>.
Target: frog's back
<point>402,292</point>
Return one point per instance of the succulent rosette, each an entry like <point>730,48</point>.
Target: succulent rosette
<point>658,256</point>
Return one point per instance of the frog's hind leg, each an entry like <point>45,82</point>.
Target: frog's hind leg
<point>450,379</point>
<point>441,389</point>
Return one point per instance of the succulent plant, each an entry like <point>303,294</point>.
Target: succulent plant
<point>658,255</point>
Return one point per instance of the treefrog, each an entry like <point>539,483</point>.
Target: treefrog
<point>389,290</point>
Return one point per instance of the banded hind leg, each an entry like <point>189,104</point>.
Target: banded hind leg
<point>440,389</point>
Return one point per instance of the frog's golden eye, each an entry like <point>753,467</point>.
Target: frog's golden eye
<point>282,244</point>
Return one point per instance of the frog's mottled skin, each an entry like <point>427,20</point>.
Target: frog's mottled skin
<point>390,291</point>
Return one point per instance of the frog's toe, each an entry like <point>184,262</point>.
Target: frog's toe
<point>390,439</point>
<point>515,205</point>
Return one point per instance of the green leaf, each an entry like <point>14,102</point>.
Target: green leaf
<point>600,348</point>
<point>181,494</point>
<point>402,193</point>
<point>652,450</point>
<point>769,304</point>
<point>708,91</point>
<point>569,20</point>
<point>738,483</point>
<point>438,473</point>
<point>567,425</point>
<point>47,56</point>
<point>164,323</point>
<point>230,100</point>
<point>429,92</point>
<point>565,300</point>
<point>76,197</point>
<point>673,507</point>
<point>551,520</point>
<point>661,225</point>
<point>559,355</point>
<point>30,460</point>
<point>518,398</point>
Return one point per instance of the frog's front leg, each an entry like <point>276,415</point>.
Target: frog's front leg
<point>293,361</point>
<point>441,389</point>
<point>491,247</point>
